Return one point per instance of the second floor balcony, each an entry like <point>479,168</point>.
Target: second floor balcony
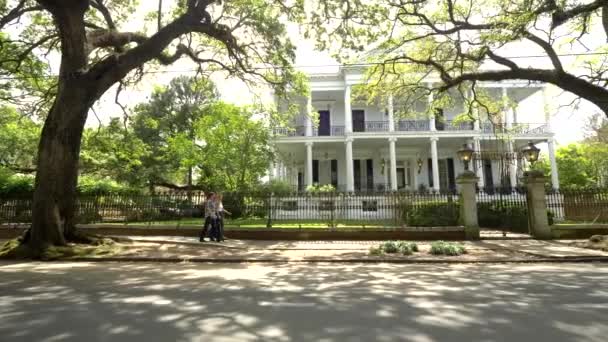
<point>413,125</point>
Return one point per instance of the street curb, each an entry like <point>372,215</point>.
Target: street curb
<point>329,260</point>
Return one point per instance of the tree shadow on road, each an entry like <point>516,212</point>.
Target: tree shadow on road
<point>301,302</point>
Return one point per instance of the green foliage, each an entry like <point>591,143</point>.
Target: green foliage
<point>236,148</point>
<point>580,165</point>
<point>389,247</point>
<point>88,185</point>
<point>375,251</point>
<point>14,184</point>
<point>407,247</point>
<point>431,214</point>
<point>447,248</point>
<point>277,187</point>
<point>316,188</point>
<point>498,214</point>
<point>19,136</point>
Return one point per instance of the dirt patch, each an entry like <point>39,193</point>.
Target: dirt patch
<point>597,242</point>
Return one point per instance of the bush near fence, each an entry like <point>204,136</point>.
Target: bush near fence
<point>431,214</point>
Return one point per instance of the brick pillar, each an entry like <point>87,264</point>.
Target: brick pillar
<point>468,204</point>
<point>537,205</point>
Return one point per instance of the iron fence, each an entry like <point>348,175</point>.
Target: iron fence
<point>503,208</point>
<point>328,208</point>
<point>579,205</point>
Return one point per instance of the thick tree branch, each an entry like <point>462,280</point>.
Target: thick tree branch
<point>560,16</point>
<point>17,12</point>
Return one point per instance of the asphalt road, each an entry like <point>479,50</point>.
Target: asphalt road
<point>302,302</point>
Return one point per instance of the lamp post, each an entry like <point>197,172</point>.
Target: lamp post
<point>531,153</point>
<point>465,154</point>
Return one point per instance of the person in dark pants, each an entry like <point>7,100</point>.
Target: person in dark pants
<point>220,217</point>
<point>210,217</point>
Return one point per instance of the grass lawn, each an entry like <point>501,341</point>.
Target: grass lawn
<point>261,223</point>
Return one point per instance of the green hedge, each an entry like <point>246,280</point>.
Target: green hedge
<point>431,214</point>
<point>502,215</point>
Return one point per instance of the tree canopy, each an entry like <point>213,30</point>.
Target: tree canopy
<point>417,47</point>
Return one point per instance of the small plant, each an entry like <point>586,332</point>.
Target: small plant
<point>389,247</point>
<point>407,248</point>
<point>375,251</point>
<point>447,248</point>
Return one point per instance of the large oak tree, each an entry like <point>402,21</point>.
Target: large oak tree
<point>245,38</point>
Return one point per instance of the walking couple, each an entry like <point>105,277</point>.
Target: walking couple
<point>214,218</point>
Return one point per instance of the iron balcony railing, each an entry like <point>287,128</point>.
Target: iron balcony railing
<point>412,125</point>
<point>376,126</point>
<point>416,126</point>
<point>516,128</point>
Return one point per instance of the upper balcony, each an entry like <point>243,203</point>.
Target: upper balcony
<point>402,126</point>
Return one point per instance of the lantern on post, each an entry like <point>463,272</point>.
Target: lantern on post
<point>465,154</point>
<point>531,153</point>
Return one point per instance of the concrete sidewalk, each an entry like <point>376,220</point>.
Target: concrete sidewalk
<point>484,250</point>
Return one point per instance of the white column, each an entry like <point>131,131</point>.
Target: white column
<point>308,163</point>
<point>309,116</point>
<point>432,113</point>
<point>508,113</point>
<point>479,167</point>
<point>391,114</point>
<point>554,174</point>
<point>350,178</point>
<point>393,157</point>
<point>348,121</point>
<point>435,163</point>
<point>546,108</point>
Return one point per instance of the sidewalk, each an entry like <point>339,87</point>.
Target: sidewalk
<point>171,248</point>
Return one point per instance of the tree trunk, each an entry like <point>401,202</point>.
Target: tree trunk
<point>58,154</point>
<point>59,146</point>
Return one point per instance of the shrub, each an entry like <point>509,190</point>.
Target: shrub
<point>375,250</point>
<point>496,214</point>
<point>447,248</point>
<point>389,247</point>
<point>320,188</point>
<point>407,248</point>
<point>16,184</point>
<point>431,214</point>
<point>88,185</point>
<point>276,186</point>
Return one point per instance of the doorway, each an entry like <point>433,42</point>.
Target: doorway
<point>358,120</point>
<point>324,123</point>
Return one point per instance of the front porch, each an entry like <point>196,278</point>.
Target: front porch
<point>374,164</point>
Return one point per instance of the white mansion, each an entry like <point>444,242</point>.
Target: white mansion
<point>359,147</point>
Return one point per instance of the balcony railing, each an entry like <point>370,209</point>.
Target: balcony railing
<point>416,126</point>
<point>297,131</point>
<point>376,126</point>
<point>331,131</point>
<point>450,125</point>
<point>516,128</point>
<point>412,125</point>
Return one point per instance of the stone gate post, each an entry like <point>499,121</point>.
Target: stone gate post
<point>468,204</point>
<point>538,222</point>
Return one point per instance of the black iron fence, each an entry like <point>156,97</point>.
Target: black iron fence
<point>503,208</point>
<point>579,205</point>
<point>327,208</point>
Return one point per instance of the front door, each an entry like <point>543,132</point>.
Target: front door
<point>357,174</point>
<point>324,123</point>
<point>400,178</point>
<point>358,120</point>
<point>369,172</point>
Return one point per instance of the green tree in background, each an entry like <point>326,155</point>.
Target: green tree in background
<point>165,120</point>
<point>236,148</point>
<point>19,136</point>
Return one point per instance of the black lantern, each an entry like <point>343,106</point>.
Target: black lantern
<point>419,164</point>
<point>531,153</point>
<point>465,154</point>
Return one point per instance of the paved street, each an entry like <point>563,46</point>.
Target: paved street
<point>302,302</point>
